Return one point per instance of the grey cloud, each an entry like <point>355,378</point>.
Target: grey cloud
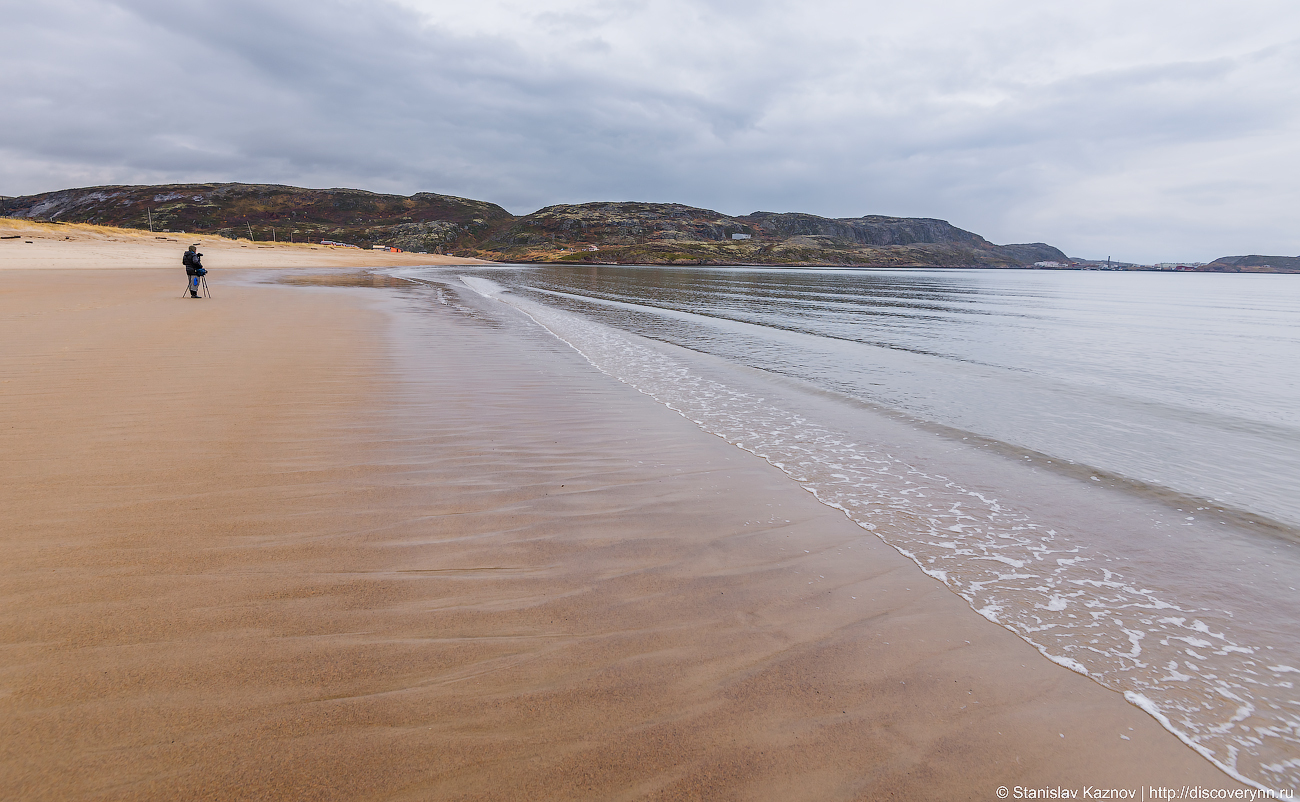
<point>838,122</point>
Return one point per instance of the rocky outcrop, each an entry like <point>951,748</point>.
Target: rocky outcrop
<point>430,236</point>
<point>615,224</point>
<point>870,230</point>
<point>1254,264</point>
<point>422,222</point>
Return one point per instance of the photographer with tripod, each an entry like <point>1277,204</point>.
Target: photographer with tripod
<point>194,270</point>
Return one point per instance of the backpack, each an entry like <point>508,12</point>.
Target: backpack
<point>188,259</point>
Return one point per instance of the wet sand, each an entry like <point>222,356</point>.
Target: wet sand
<point>305,543</point>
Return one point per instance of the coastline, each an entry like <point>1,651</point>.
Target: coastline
<point>304,543</point>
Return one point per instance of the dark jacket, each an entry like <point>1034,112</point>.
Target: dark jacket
<point>192,265</point>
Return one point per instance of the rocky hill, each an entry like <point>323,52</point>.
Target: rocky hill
<point>1254,264</point>
<point>626,233</point>
<point>670,233</point>
<point>422,222</point>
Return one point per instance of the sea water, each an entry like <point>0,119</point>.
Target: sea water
<point>1176,392</point>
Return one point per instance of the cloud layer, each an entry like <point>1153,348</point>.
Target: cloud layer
<point>1153,131</point>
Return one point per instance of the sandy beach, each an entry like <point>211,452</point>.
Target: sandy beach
<point>31,245</point>
<point>310,542</point>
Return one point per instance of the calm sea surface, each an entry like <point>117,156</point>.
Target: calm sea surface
<point>1180,390</point>
<point>1185,381</point>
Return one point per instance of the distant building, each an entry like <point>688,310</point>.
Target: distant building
<point>741,236</point>
<point>1048,264</point>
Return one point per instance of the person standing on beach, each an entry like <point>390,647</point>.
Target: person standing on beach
<point>193,269</point>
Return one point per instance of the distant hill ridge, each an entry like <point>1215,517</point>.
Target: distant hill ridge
<point>424,221</point>
<point>617,232</point>
<point>671,233</point>
<point>1254,264</point>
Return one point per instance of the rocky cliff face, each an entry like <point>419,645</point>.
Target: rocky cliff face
<point>421,222</point>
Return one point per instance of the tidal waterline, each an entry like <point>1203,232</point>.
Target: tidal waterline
<point>1192,619</point>
<point>1180,381</point>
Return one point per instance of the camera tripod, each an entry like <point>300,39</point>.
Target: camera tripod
<point>203,286</point>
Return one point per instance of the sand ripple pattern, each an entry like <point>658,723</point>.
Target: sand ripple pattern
<point>1182,665</point>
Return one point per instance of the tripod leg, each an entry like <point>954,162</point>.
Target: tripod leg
<point>206,292</point>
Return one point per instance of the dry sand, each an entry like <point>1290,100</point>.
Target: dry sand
<point>300,543</point>
<point>28,245</point>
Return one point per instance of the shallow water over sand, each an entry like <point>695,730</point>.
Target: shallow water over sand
<point>1186,606</point>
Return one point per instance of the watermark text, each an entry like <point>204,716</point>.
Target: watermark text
<point>1140,793</point>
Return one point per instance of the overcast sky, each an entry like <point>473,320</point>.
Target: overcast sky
<point>1148,130</point>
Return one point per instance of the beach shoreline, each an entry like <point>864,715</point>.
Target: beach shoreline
<point>302,542</point>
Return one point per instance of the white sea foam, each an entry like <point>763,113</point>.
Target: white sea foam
<point>1054,592</point>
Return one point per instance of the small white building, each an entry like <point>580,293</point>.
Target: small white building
<point>741,236</point>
